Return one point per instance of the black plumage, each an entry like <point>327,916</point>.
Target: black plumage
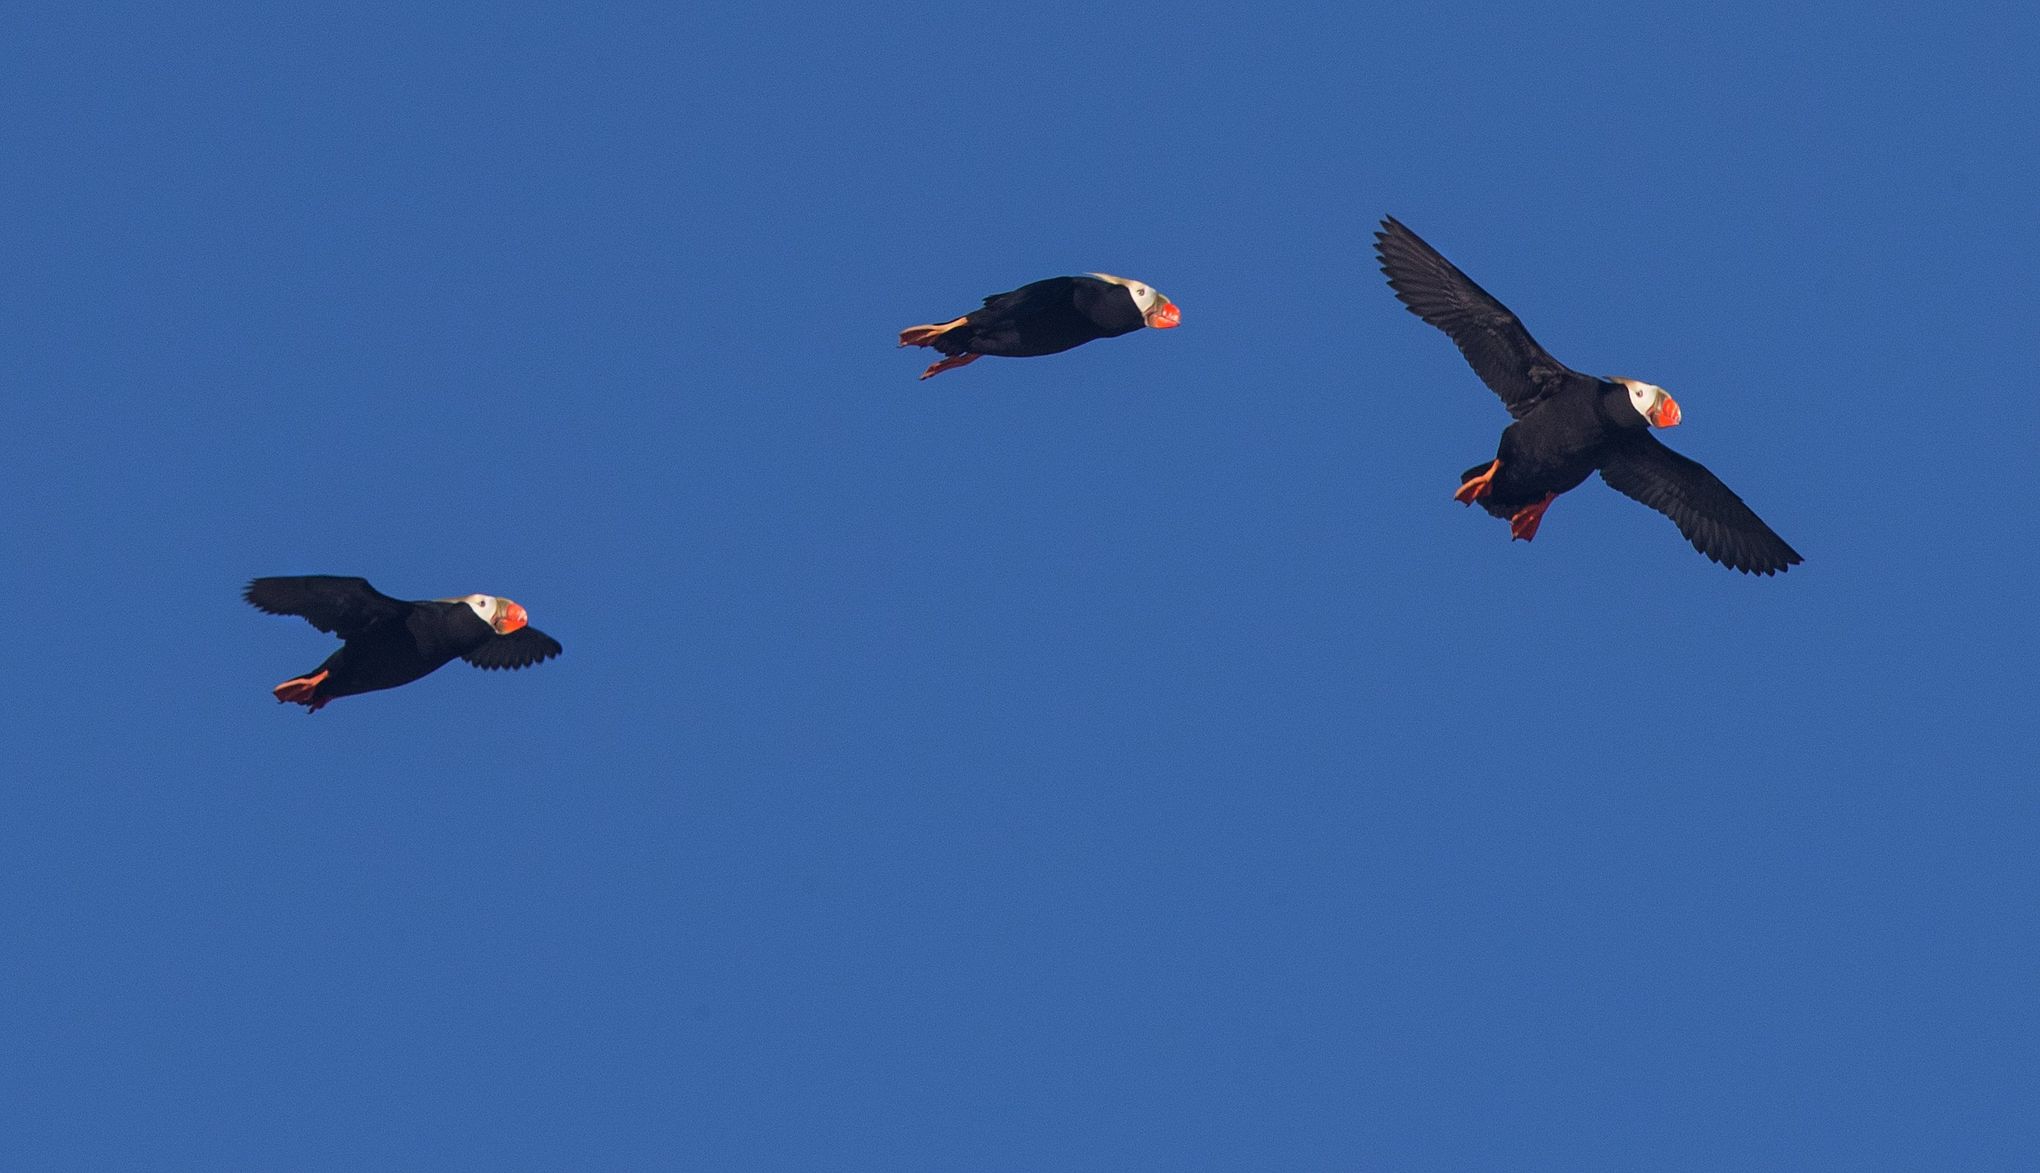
<point>1045,317</point>
<point>388,642</point>
<point>1569,424</point>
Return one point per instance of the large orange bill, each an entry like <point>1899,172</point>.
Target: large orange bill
<point>510,617</point>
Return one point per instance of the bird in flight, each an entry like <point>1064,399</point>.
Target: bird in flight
<point>1569,424</point>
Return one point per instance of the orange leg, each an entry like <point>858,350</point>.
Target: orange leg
<point>299,691</point>
<point>926,335</point>
<point>950,364</point>
<point>1524,524</point>
<point>1479,486</point>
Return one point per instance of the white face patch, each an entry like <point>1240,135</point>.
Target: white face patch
<point>1642,396</point>
<point>484,606</point>
<point>1144,295</point>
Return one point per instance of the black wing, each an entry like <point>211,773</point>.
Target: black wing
<point>342,605</point>
<point>1708,512</point>
<point>1495,344</point>
<point>1046,292</point>
<point>520,649</point>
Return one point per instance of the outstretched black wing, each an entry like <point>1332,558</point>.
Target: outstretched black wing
<point>520,649</point>
<point>342,605</point>
<point>1708,512</point>
<point>1495,344</point>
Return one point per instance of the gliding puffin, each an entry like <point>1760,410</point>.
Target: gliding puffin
<point>1569,424</point>
<point>1044,318</point>
<point>388,642</point>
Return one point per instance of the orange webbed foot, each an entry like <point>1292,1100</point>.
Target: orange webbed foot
<point>950,364</point>
<point>1480,486</point>
<point>1524,524</point>
<point>926,335</point>
<point>299,691</point>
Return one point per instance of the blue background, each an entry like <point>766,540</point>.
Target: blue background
<point>1130,759</point>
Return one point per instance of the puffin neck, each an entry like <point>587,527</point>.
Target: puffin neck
<point>1616,410</point>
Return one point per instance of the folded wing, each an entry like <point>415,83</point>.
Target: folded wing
<point>1048,291</point>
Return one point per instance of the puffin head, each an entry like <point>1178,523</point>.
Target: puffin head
<point>1652,402</point>
<point>1160,312</point>
<point>500,614</point>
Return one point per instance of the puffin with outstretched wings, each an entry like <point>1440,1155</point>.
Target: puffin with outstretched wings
<point>388,642</point>
<point>1569,424</point>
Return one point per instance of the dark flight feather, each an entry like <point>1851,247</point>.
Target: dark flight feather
<point>520,649</point>
<point>337,604</point>
<point>1494,342</point>
<point>1708,512</point>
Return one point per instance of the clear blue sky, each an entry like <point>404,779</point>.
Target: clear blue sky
<point>1130,759</point>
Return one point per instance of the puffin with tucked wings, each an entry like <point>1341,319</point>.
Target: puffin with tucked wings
<point>388,642</point>
<point>1569,424</point>
<point>1045,317</point>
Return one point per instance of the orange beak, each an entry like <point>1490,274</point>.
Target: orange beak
<point>510,617</point>
<point>1666,413</point>
<point>1165,315</point>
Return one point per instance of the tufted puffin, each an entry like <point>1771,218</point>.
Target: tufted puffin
<point>1569,424</point>
<point>388,642</point>
<point>1044,318</point>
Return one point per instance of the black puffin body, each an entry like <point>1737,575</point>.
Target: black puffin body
<point>388,642</point>
<point>1045,317</point>
<point>1569,424</point>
